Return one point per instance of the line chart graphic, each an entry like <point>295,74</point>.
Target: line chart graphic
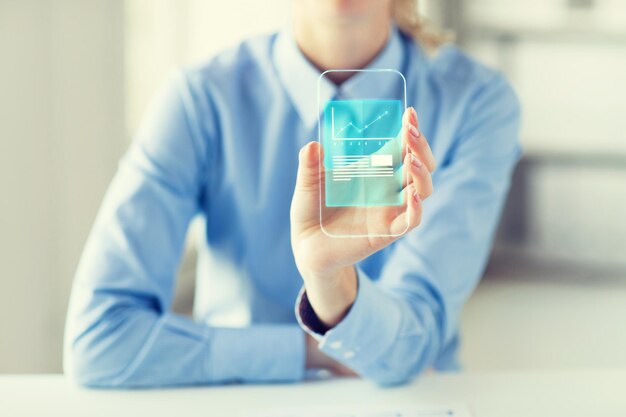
<point>336,135</point>
<point>369,120</point>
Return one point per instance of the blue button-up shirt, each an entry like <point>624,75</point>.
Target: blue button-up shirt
<point>222,142</point>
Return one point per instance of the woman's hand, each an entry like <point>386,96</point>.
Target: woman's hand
<point>326,263</point>
<point>315,359</point>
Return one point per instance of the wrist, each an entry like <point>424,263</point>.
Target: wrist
<point>331,294</point>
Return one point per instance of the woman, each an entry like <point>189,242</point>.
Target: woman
<point>228,139</point>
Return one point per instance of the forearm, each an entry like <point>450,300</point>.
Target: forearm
<point>137,347</point>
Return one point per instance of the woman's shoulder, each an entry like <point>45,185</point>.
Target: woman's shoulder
<point>460,80</point>
<point>244,59</point>
<point>450,63</point>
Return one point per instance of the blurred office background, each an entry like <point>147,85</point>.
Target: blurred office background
<point>76,77</point>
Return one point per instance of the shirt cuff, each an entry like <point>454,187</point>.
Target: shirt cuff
<point>368,330</point>
<point>262,353</point>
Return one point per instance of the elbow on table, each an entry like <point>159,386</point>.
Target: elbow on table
<point>100,356</point>
<point>85,373</point>
<point>88,367</point>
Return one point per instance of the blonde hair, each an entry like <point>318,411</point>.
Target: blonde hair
<point>409,20</point>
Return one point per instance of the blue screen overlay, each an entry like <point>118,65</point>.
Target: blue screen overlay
<point>362,153</point>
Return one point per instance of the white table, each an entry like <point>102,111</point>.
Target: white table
<point>584,393</point>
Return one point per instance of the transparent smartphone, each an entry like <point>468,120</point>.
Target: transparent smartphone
<point>361,174</point>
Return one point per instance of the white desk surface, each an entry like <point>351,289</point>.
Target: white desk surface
<point>584,393</point>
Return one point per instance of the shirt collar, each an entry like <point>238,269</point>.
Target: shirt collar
<point>299,77</point>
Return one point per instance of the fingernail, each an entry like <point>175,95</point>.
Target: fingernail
<point>415,161</point>
<point>414,115</point>
<point>414,131</point>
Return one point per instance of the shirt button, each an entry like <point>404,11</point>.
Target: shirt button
<point>348,354</point>
<point>336,344</point>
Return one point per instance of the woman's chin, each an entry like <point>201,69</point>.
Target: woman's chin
<point>346,9</point>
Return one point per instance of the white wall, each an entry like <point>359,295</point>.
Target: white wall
<point>567,62</point>
<point>61,133</point>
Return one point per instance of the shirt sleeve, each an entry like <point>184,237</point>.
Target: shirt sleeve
<point>119,329</point>
<point>407,318</point>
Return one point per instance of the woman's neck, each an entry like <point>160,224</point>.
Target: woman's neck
<point>340,43</point>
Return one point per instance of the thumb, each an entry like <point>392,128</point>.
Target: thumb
<point>308,179</point>
<point>306,196</point>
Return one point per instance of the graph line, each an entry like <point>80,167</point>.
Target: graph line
<point>352,125</point>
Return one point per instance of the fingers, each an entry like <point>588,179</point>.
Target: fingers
<point>415,141</point>
<point>414,210</point>
<point>411,217</point>
<point>418,163</point>
<point>342,370</point>
<point>418,175</point>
